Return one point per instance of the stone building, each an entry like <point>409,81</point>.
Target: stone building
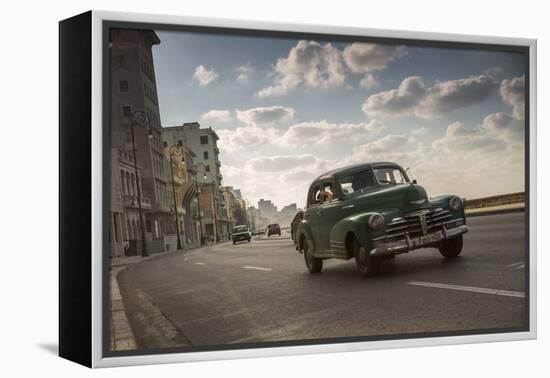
<point>134,102</point>
<point>206,165</point>
<point>125,223</point>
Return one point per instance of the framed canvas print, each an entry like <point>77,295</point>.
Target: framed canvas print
<point>233,189</point>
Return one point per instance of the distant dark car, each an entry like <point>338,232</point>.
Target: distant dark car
<point>294,225</point>
<point>273,229</point>
<point>241,233</point>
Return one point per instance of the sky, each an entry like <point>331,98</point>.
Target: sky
<point>287,110</point>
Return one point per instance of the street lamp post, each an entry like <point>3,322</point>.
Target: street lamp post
<point>199,216</point>
<point>174,150</point>
<point>139,118</point>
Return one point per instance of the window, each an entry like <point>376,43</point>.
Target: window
<point>123,85</point>
<point>390,176</point>
<point>165,144</point>
<point>358,182</point>
<point>315,196</point>
<point>205,154</point>
<point>180,142</point>
<point>204,139</point>
<point>327,192</point>
<point>207,168</point>
<point>126,111</point>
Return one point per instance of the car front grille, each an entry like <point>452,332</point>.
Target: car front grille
<point>415,224</point>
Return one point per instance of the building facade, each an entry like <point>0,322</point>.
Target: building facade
<point>134,106</point>
<point>206,166</point>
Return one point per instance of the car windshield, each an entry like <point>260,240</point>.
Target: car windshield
<point>390,176</point>
<point>240,229</point>
<point>358,181</point>
<point>273,226</point>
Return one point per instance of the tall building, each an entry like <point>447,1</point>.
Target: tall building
<point>267,209</point>
<point>206,164</point>
<point>134,101</point>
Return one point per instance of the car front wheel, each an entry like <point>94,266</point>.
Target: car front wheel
<point>451,248</point>
<point>367,265</point>
<point>314,264</point>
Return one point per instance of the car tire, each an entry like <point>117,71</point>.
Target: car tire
<point>367,265</point>
<point>313,264</point>
<point>233,242</point>
<point>249,240</point>
<point>451,248</point>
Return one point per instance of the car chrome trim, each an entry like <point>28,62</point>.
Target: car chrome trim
<point>408,244</point>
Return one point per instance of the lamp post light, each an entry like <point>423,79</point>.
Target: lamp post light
<point>176,150</point>
<point>199,216</point>
<point>139,118</point>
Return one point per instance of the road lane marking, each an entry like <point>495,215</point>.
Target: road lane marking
<point>516,264</point>
<point>257,268</point>
<point>199,263</point>
<point>473,289</point>
<point>521,266</point>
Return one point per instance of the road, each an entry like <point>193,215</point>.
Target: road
<point>261,291</point>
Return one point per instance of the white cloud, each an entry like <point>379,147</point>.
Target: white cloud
<point>396,102</point>
<point>505,127</point>
<point>512,92</point>
<point>217,115</point>
<point>369,57</point>
<point>265,116</point>
<point>308,63</point>
<point>279,163</point>
<point>413,96</point>
<point>244,71</point>
<point>323,132</point>
<point>420,131</point>
<point>458,137</point>
<point>386,145</point>
<point>204,76</point>
<point>245,138</point>
<point>369,81</point>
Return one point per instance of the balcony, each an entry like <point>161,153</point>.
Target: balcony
<point>131,201</point>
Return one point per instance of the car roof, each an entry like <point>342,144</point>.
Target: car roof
<point>241,225</point>
<point>348,168</point>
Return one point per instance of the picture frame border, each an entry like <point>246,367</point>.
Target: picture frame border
<point>101,357</point>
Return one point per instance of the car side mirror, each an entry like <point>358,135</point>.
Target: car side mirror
<point>414,181</point>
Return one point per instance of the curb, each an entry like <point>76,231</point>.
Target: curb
<point>122,337</point>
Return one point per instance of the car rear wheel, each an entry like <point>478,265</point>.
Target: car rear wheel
<point>314,264</point>
<point>233,242</point>
<point>367,265</point>
<point>451,248</point>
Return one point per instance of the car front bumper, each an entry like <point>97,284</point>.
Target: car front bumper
<point>408,244</point>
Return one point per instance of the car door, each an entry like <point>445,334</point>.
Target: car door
<point>311,215</point>
<point>328,214</point>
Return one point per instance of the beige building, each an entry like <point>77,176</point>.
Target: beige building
<point>206,165</point>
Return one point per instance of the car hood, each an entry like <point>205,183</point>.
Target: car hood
<point>240,233</point>
<point>407,198</point>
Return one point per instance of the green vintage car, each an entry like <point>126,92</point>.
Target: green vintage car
<point>373,211</point>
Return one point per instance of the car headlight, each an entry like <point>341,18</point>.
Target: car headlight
<point>455,203</point>
<point>376,222</point>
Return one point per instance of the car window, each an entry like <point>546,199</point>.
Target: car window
<point>240,229</point>
<point>358,181</point>
<point>327,192</point>
<point>315,196</point>
<point>390,176</point>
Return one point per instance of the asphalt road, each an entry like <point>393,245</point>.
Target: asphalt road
<point>261,291</point>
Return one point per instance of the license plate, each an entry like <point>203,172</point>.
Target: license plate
<point>428,239</point>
